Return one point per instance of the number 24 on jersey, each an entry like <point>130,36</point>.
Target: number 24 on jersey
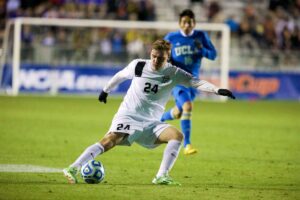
<point>150,88</point>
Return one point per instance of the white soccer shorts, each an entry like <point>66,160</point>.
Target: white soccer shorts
<point>145,133</point>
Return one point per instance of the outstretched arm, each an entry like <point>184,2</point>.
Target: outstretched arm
<point>125,74</point>
<point>187,79</point>
<point>113,82</point>
<point>209,87</point>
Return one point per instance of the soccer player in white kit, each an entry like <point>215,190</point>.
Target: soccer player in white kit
<point>138,117</point>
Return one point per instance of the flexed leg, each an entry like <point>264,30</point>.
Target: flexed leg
<point>173,138</point>
<point>106,143</point>
<point>186,125</point>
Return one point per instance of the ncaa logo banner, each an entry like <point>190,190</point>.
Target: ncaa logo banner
<point>91,79</point>
<point>66,79</point>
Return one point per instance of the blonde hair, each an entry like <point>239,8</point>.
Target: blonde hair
<point>162,45</point>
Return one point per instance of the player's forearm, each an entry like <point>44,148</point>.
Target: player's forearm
<point>205,86</point>
<point>114,81</point>
<point>208,49</point>
<point>208,53</point>
<point>209,87</point>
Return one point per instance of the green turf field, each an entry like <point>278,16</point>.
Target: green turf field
<point>248,150</point>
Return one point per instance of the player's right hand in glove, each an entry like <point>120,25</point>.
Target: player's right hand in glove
<point>225,92</point>
<point>103,96</point>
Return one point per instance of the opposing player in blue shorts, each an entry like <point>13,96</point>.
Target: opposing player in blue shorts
<point>189,46</point>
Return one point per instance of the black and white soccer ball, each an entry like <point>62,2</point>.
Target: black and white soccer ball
<point>92,172</point>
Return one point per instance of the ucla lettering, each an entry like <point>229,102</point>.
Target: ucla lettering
<point>183,50</point>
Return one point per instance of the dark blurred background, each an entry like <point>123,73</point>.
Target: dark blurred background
<point>264,29</point>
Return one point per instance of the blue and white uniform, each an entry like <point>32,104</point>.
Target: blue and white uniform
<point>186,55</point>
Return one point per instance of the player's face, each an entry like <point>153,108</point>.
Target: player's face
<point>158,58</point>
<point>187,24</point>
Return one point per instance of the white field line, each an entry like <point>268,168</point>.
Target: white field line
<point>27,168</point>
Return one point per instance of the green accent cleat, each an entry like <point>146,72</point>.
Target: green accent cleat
<point>70,173</point>
<point>164,180</point>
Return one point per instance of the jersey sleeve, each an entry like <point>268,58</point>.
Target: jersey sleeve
<point>124,74</point>
<point>203,85</point>
<point>181,76</point>
<point>208,50</point>
<point>188,80</point>
<point>167,37</point>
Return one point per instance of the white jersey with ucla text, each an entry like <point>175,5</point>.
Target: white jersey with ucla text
<point>149,93</point>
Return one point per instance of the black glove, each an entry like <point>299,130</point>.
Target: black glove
<point>102,97</point>
<point>225,92</point>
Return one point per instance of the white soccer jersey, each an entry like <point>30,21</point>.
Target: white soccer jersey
<point>149,93</point>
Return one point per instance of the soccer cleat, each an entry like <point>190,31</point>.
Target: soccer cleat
<point>164,180</point>
<point>189,150</point>
<point>70,173</point>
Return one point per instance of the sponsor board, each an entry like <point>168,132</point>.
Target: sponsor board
<point>91,79</point>
<point>65,79</point>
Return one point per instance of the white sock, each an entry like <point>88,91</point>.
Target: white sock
<point>90,153</point>
<point>169,157</point>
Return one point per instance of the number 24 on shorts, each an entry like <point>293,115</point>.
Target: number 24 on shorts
<point>123,127</point>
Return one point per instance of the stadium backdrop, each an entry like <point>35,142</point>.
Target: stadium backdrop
<point>91,79</point>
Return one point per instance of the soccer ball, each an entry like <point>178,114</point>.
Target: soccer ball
<point>92,172</point>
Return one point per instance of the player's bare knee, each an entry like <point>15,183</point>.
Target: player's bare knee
<point>176,113</point>
<point>177,135</point>
<point>187,107</point>
<point>109,141</point>
<point>107,144</point>
<point>180,137</point>
<point>171,133</point>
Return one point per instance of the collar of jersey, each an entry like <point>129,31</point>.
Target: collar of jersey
<point>153,70</point>
<point>185,35</point>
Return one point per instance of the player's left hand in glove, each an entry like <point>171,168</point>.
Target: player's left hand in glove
<point>103,96</point>
<point>225,92</point>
